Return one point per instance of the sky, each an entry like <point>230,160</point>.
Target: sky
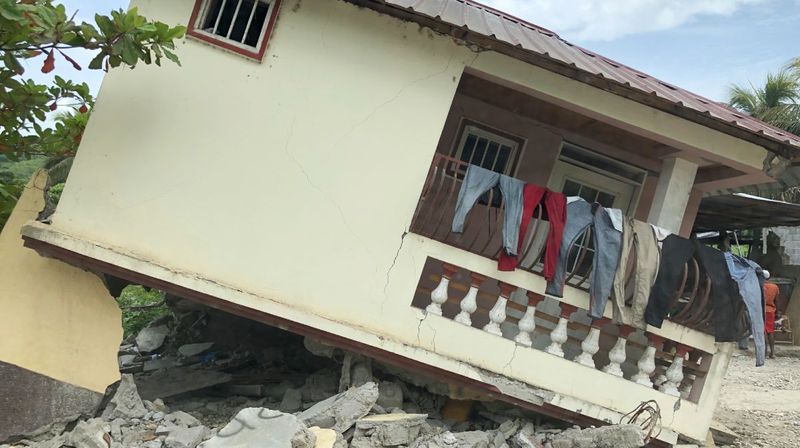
<point>700,45</point>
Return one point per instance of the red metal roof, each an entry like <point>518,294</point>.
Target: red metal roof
<point>490,22</point>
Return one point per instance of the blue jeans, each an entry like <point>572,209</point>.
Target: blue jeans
<point>744,273</point>
<point>478,181</point>
<point>607,249</point>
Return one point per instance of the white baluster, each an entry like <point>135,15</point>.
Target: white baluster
<point>647,363</point>
<point>590,346</point>
<point>559,334</point>
<point>674,374</point>
<point>439,295</point>
<point>526,325</point>
<point>617,354</point>
<point>470,301</point>
<point>497,315</point>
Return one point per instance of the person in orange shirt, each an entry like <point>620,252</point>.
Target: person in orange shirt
<point>770,294</point>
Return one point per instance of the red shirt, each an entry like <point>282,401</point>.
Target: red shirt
<point>770,294</point>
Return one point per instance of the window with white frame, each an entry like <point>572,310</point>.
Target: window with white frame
<point>242,26</point>
<point>487,149</point>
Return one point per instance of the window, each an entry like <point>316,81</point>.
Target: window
<point>242,26</point>
<point>478,146</point>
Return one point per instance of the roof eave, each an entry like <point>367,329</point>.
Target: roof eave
<point>781,148</point>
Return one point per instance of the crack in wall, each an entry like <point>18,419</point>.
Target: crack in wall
<point>394,98</point>
<point>508,364</point>
<point>394,260</point>
<point>320,190</point>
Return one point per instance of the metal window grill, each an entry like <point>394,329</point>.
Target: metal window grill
<point>242,22</point>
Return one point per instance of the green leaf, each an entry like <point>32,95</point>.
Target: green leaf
<point>97,62</point>
<point>129,51</point>
<point>172,56</point>
<point>10,11</point>
<point>11,62</point>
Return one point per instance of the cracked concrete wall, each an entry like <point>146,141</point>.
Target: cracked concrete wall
<point>60,333</point>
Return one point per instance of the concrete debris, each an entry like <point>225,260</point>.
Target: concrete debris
<point>189,350</point>
<point>263,427</point>
<point>151,339</point>
<point>178,380</point>
<point>126,402</point>
<point>340,412</point>
<point>325,438</point>
<point>388,430</point>
<point>181,418</point>
<point>186,437</point>
<point>92,433</point>
<point>618,436</point>
<point>229,382</point>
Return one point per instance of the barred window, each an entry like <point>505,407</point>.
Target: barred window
<point>242,26</point>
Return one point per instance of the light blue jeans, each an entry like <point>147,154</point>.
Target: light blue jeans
<point>478,181</point>
<point>607,250</point>
<point>744,273</point>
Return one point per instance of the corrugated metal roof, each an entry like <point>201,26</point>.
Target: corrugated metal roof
<point>490,22</point>
<point>743,211</point>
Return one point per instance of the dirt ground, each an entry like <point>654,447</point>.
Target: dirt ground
<point>762,404</point>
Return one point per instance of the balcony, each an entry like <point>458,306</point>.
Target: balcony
<point>677,360</point>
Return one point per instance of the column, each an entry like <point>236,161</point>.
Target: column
<point>675,183</point>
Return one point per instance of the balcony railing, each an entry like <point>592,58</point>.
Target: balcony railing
<point>691,306</point>
<point>554,326</point>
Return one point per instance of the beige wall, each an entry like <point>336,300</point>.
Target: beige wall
<point>60,321</point>
<point>288,186</point>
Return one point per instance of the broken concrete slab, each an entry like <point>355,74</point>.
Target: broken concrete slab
<point>613,436</point>
<point>93,433</point>
<point>262,427</point>
<point>178,380</point>
<point>722,434</point>
<point>181,418</point>
<point>125,360</point>
<point>151,339</point>
<point>388,430</point>
<point>158,364</point>
<point>325,438</point>
<point>190,350</point>
<point>340,412</point>
<point>186,437</point>
<point>126,402</point>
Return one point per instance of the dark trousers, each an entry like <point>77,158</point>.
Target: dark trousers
<point>724,294</point>
<point>675,252</point>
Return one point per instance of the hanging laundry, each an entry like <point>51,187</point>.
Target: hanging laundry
<point>724,294</point>
<point>555,206</point>
<point>607,244</point>
<point>640,237</point>
<point>747,274</point>
<point>478,181</point>
<point>675,252</point>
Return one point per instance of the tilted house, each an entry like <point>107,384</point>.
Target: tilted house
<point>301,168</point>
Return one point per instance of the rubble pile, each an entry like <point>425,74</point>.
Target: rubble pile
<point>203,378</point>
